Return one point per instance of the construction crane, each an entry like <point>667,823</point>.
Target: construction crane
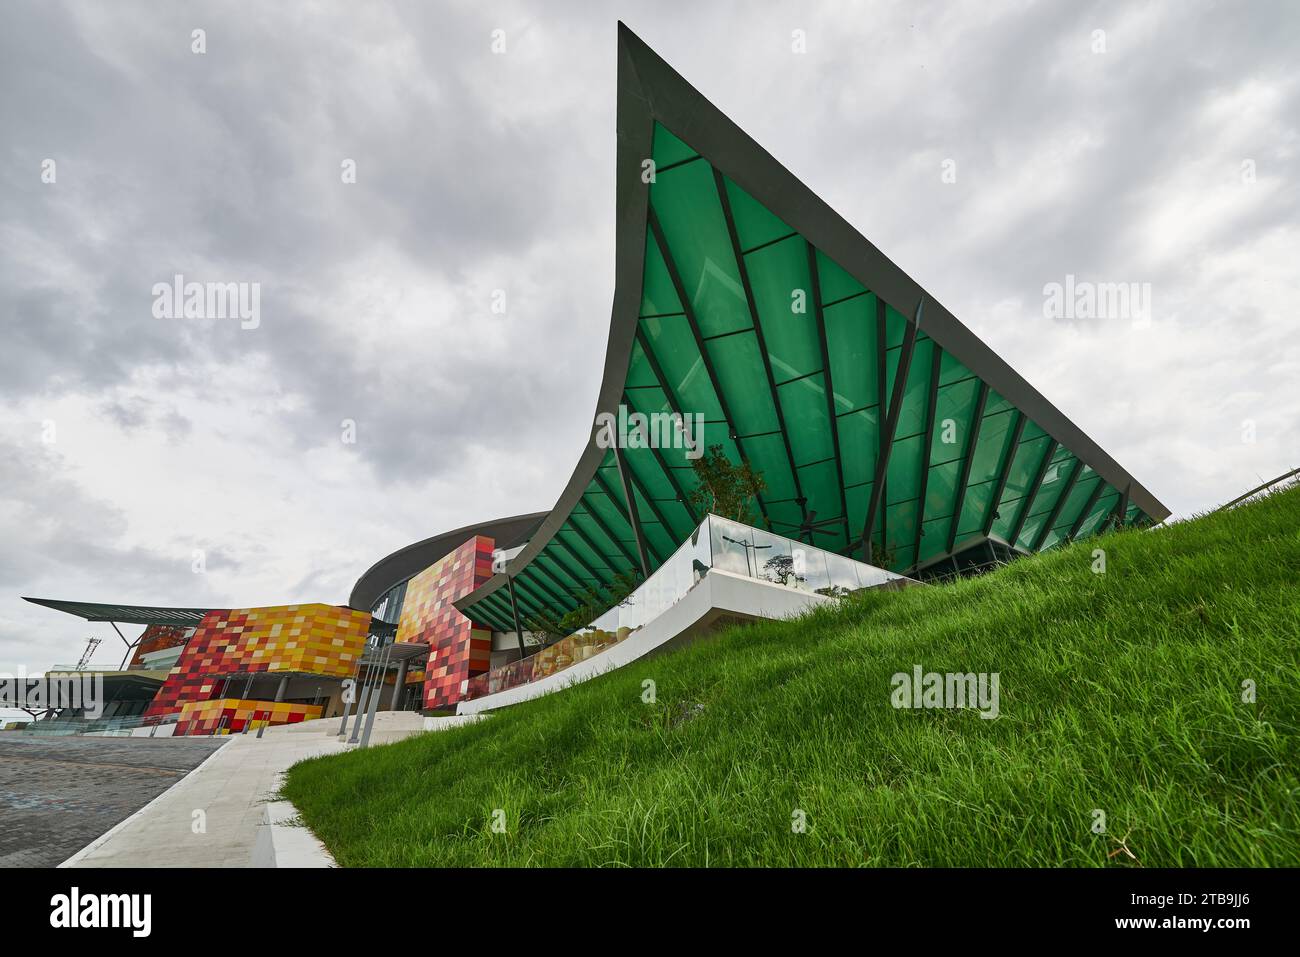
<point>91,645</point>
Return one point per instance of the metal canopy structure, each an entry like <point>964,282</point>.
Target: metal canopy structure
<point>408,561</point>
<point>882,426</point>
<point>126,614</point>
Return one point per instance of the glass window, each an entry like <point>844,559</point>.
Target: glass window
<point>843,572</point>
<point>772,557</point>
<point>810,568</point>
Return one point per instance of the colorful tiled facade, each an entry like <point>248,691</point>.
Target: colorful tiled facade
<point>457,650</point>
<point>232,715</point>
<point>156,638</point>
<point>313,639</point>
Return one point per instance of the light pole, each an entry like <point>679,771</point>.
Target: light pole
<point>747,546</point>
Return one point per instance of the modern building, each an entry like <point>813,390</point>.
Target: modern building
<point>749,316</point>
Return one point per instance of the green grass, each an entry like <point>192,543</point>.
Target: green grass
<point>1120,691</point>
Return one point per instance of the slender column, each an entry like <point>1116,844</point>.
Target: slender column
<point>374,698</point>
<point>361,705</point>
<point>400,685</point>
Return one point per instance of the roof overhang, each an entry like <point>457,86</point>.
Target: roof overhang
<point>565,554</point>
<point>126,614</point>
<point>414,558</point>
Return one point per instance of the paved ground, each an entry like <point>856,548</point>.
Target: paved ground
<point>211,818</point>
<point>57,794</point>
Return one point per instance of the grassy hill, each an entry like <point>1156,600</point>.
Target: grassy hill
<point>1120,691</point>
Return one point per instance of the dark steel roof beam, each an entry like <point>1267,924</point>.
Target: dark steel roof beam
<point>1004,473</point>
<point>977,419</point>
<point>725,200</point>
<point>1087,508</point>
<point>936,364</point>
<point>1060,504</point>
<point>1032,491</point>
<point>671,265</point>
<point>876,503</point>
<point>832,420</point>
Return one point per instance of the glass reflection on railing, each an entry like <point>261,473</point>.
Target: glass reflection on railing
<point>717,543</point>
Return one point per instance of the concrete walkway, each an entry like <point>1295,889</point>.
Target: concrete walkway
<point>211,817</point>
<point>58,792</point>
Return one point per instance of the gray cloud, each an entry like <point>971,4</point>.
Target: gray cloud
<point>479,172</point>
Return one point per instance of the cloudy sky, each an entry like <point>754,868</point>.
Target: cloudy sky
<point>1163,150</point>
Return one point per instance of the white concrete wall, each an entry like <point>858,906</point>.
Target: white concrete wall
<point>718,594</point>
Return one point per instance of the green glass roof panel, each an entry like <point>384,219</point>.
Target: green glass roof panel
<point>767,454</point>
<point>658,295</point>
<point>975,508</point>
<point>668,148</point>
<point>895,327</point>
<point>1028,457</point>
<point>1031,432</point>
<point>996,403</point>
<point>836,284</point>
<point>804,404</point>
<point>934,540</point>
<point>649,476</point>
<point>916,393</point>
<point>901,534</point>
<point>1055,479</point>
<point>857,498</point>
<point>954,408</point>
<point>598,561</point>
<point>951,370</point>
<point>550,560</point>
<point>686,201</point>
<point>851,342</point>
<point>1100,511</point>
<point>821,485</point>
<point>941,490</point>
<point>779,277</point>
<point>610,551</point>
<point>785,514</point>
<point>739,366</point>
<point>995,432</point>
<point>1029,533</point>
<point>1084,486</point>
<point>639,372</point>
<point>903,477</point>
<point>755,225</point>
<point>688,379</point>
<point>859,445</point>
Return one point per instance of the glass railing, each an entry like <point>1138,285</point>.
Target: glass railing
<point>717,543</point>
<point>60,727</point>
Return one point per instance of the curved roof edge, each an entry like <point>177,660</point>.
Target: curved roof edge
<point>649,91</point>
<point>416,557</point>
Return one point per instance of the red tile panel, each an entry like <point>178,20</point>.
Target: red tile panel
<point>310,639</point>
<point>233,715</point>
<point>156,638</point>
<point>457,650</point>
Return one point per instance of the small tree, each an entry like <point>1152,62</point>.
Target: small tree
<point>724,488</point>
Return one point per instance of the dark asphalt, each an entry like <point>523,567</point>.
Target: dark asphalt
<point>57,794</point>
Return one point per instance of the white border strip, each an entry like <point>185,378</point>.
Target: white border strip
<point>103,838</point>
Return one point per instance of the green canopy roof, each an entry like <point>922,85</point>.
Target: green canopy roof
<point>882,426</point>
